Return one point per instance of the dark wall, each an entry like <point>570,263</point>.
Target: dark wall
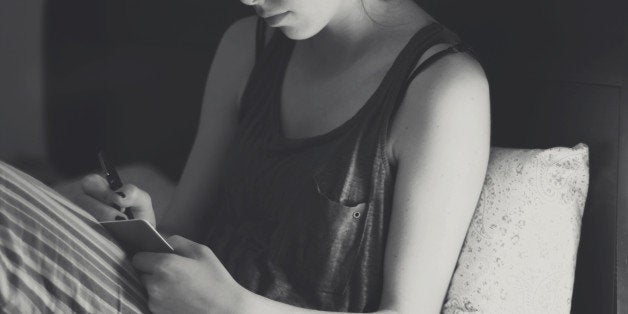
<point>21,82</point>
<point>622,213</point>
<point>160,57</point>
<point>75,49</point>
<point>129,76</point>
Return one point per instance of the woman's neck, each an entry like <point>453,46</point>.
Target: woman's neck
<point>359,24</point>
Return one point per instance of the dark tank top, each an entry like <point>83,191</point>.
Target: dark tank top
<point>304,221</point>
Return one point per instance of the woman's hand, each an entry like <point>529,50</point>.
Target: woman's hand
<point>191,281</point>
<point>100,201</point>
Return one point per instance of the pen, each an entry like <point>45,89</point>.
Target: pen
<point>112,177</point>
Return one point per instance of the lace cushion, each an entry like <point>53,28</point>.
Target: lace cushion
<point>519,255</point>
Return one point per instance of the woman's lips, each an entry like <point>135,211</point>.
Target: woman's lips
<point>275,20</point>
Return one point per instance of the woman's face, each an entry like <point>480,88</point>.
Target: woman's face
<point>301,19</point>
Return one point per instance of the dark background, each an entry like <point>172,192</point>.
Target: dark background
<point>128,76</point>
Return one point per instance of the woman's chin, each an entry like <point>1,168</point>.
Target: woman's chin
<point>296,33</point>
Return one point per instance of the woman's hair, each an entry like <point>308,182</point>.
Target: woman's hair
<point>420,3</point>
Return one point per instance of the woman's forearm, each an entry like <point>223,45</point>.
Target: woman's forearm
<point>194,199</point>
<point>217,126</point>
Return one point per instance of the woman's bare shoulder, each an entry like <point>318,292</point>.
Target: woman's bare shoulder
<point>241,36</point>
<point>451,88</point>
<point>238,42</point>
<point>456,72</point>
<point>232,64</point>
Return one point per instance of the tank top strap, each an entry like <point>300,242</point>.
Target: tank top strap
<point>394,83</point>
<point>435,57</point>
<point>260,39</point>
<point>269,57</point>
<point>411,67</point>
<point>409,56</point>
<point>407,61</point>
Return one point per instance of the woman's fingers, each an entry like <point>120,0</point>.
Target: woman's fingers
<point>145,262</point>
<point>97,209</point>
<point>137,201</point>
<point>154,263</point>
<point>96,187</point>
<point>127,198</point>
<point>130,195</point>
<point>188,248</point>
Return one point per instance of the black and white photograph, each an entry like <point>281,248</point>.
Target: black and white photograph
<point>314,156</point>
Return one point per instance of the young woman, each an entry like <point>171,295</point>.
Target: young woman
<point>341,150</point>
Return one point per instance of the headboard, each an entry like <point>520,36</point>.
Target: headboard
<point>556,80</point>
<point>622,212</point>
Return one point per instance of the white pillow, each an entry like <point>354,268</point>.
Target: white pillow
<point>519,255</point>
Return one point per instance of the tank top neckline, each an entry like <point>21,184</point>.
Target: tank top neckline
<point>276,101</point>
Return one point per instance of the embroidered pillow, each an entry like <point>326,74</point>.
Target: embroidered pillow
<point>519,255</point>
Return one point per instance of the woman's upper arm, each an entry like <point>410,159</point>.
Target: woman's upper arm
<point>440,140</point>
<point>229,72</point>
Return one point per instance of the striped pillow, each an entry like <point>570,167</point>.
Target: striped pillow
<point>54,257</point>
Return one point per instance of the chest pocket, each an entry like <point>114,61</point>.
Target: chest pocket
<point>319,241</point>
